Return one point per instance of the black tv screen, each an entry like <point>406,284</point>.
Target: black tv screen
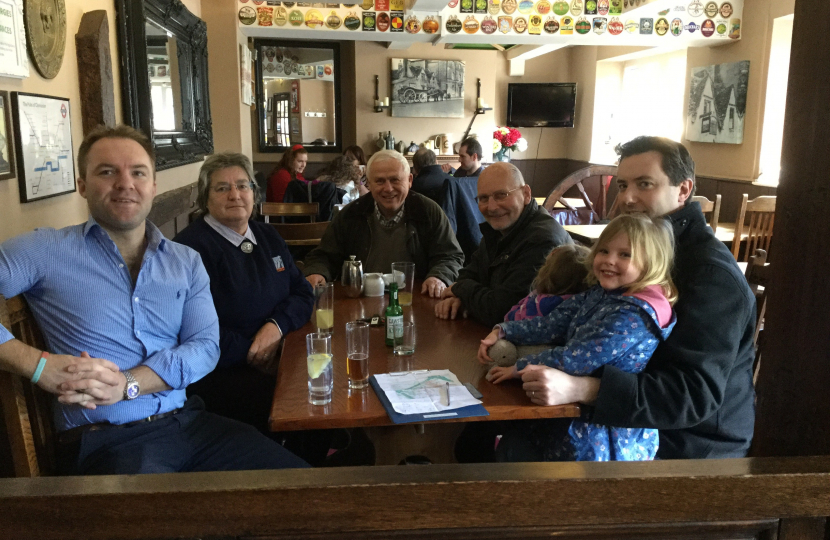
<point>541,104</point>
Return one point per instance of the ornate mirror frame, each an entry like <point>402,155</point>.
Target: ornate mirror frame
<point>334,47</point>
<point>173,148</point>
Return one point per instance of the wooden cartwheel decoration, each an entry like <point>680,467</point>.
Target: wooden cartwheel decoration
<point>46,30</point>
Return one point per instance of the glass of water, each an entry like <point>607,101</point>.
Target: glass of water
<point>319,359</point>
<point>405,342</point>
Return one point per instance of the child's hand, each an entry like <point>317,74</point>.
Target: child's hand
<point>486,343</point>
<point>498,374</point>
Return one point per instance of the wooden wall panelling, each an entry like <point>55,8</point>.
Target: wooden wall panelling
<point>792,413</point>
<point>171,210</point>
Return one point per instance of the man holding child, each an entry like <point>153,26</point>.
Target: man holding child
<point>697,388</point>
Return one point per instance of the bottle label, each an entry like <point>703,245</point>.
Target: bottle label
<point>394,327</point>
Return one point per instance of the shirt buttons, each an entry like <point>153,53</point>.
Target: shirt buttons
<point>138,332</point>
<point>120,266</point>
<point>136,299</point>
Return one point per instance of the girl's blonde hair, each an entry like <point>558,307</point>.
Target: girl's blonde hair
<point>652,249</point>
<point>564,271</point>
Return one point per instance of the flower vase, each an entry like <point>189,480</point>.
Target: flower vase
<point>502,155</point>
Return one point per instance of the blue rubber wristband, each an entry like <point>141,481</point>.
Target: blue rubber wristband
<point>39,370</point>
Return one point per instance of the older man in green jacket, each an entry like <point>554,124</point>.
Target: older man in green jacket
<point>389,224</point>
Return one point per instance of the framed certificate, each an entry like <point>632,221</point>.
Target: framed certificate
<point>43,131</point>
<point>13,59</point>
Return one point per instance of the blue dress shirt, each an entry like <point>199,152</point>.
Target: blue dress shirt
<point>80,291</point>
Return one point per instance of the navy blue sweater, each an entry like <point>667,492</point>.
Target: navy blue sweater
<point>249,289</point>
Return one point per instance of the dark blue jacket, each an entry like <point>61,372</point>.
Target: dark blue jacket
<point>430,182</point>
<point>697,389</point>
<point>248,289</point>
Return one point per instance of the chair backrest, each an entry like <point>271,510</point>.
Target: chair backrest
<point>302,234</point>
<point>755,218</point>
<point>26,408</point>
<point>272,209</point>
<point>710,206</point>
<point>758,276</point>
<point>575,179</point>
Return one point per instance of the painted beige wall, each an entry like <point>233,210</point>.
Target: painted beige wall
<point>374,59</point>
<point>740,161</point>
<point>63,210</point>
<point>231,118</point>
<point>318,96</point>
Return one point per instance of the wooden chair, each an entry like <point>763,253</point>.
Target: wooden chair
<point>575,179</point>
<point>271,209</point>
<point>26,408</point>
<point>710,206</point>
<point>302,234</point>
<point>760,214</point>
<point>758,276</point>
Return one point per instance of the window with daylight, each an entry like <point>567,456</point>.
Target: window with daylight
<point>643,96</point>
<point>776,100</point>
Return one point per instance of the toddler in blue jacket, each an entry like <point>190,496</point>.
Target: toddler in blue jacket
<point>619,321</point>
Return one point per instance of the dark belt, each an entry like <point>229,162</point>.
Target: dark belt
<point>74,434</point>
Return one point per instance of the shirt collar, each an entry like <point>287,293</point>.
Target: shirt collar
<point>155,240</point>
<point>229,234</point>
<point>391,222</point>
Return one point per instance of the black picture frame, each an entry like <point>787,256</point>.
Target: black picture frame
<point>195,139</point>
<point>6,132</point>
<point>30,112</point>
<point>261,105</point>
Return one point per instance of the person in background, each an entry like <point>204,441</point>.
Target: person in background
<point>344,174</point>
<point>394,224</point>
<point>355,153</point>
<point>290,167</point>
<point>429,177</point>
<point>259,293</point>
<point>129,321</point>
<point>469,154</point>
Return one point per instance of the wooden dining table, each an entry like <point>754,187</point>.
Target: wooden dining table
<point>441,344</point>
<point>588,234</point>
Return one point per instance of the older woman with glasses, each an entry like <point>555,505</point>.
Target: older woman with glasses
<point>259,293</point>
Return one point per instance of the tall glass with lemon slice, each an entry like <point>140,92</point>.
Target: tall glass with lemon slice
<point>324,308</point>
<point>320,378</point>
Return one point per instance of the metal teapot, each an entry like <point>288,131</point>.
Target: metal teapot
<point>351,276</point>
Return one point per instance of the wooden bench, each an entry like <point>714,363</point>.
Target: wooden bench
<point>26,408</point>
<point>761,498</point>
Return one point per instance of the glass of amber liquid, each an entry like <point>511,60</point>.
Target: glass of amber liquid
<point>357,354</point>
<point>324,308</point>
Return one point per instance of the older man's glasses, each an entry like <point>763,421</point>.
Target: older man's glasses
<point>497,196</point>
<point>223,188</point>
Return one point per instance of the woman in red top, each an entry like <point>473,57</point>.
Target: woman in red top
<point>290,167</point>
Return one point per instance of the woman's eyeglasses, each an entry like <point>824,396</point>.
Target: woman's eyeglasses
<point>224,188</point>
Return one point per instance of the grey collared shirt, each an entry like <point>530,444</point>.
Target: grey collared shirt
<point>229,234</point>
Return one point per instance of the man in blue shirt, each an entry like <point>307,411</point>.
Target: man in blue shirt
<point>130,321</point>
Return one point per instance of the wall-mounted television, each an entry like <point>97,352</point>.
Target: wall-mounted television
<point>541,104</point>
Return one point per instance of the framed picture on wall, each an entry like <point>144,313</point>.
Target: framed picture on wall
<point>6,157</point>
<point>43,131</point>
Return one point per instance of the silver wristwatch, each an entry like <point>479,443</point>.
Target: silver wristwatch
<point>132,389</point>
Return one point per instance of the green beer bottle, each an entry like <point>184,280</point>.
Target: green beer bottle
<point>394,316</point>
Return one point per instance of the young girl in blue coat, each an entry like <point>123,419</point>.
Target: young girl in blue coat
<point>619,321</point>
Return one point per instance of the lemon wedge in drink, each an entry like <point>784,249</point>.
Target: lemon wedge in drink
<point>317,363</point>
